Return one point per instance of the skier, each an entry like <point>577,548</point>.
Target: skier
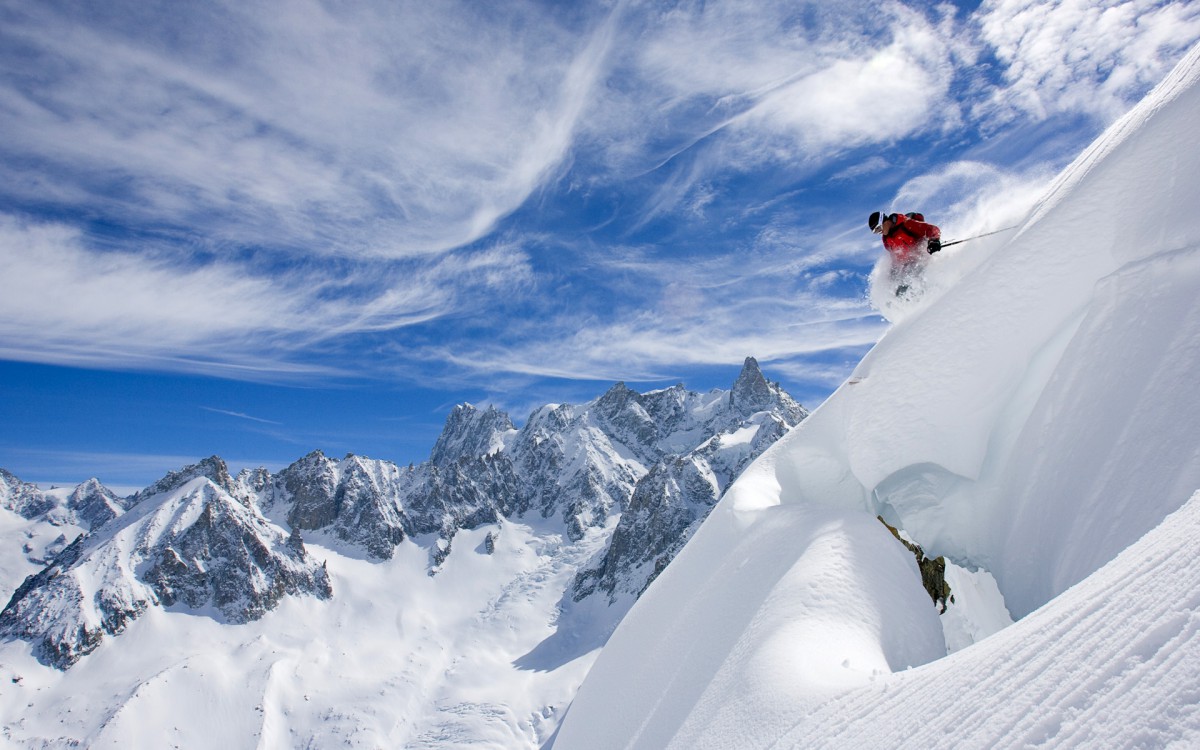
<point>909,241</point>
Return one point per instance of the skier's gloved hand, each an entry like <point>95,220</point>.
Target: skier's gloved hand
<point>934,245</point>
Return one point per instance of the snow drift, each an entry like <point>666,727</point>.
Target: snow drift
<point>1036,421</point>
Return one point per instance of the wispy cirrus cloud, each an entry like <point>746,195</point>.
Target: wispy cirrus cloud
<point>780,298</point>
<point>251,190</point>
<point>67,304</point>
<point>239,415</point>
<point>361,130</point>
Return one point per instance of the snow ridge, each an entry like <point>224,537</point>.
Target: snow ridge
<point>1036,420</point>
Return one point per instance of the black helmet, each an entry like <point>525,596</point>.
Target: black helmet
<point>873,220</point>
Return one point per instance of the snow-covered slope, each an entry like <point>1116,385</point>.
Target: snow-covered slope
<point>359,603</point>
<point>1036,420</point>
<point>36,525</point>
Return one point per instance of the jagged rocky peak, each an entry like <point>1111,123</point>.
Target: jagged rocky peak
<point>196,546</point>
<point>680,489</point>
<point>752,392</point>
<point>22,498</point>
<point>667,406</point>
<point>366,503</point>
<point>252,482</point>
<point>94,505</point>
<point>674,496</point>
<point>213,468</point>
<point>623,412</point>
<point>311,484</point>
<point>471,433</point>
<point>231,558</point>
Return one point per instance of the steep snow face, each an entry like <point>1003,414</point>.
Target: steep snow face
<point>1111,662</point>
<point>1036,419</point>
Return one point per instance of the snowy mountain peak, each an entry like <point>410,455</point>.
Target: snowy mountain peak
<point>310,484</point>
<point>194,545</point>
<point>751,391</point>
<point>94,504</point>
<point>22,498</point>
<point>471,433</point>
<point>212,468</point>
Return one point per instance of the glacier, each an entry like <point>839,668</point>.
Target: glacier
<point>1035,416</point>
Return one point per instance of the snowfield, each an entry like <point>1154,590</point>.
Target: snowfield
<point>397,658</point>
<point>1036,419</point>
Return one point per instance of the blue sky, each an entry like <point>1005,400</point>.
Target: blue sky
<point>256,231</point>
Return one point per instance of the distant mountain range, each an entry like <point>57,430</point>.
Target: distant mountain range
<point>231,547</point>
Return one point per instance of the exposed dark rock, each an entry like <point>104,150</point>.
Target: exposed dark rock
<point>438,553</point>
<point>674,495</point>
<point>212,468</point>
<point>94,505</point>
<point>311,486</point>
<point>933,571</point>
<point>752,392</point>
<point>623,415</point>
<point>469,434</point>
<point>366,509</point>
<point>23,498</point>
<point>227,557</point>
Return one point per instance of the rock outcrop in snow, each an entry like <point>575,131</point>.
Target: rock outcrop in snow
<point>580,463</point>
<point>187,541</point>
<point>470,433</point>
<point>22,498</point>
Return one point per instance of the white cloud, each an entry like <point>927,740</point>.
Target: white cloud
<point>779,298</point>
<point>969,197</point>
<point>389,130</point>
<point>876,95</point>
<point>67,304</point>
<point>1091,56</point>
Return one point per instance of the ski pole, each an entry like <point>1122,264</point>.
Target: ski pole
<point>986,234</point>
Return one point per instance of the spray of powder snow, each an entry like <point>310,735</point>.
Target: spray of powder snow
<point>899,295</point>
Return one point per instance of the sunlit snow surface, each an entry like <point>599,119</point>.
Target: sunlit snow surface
<point>1035,414</point>
<point>396,658</point>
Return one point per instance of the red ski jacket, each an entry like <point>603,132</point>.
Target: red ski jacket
<point>908,237</point>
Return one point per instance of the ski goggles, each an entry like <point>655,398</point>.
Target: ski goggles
<point>876,221</point>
